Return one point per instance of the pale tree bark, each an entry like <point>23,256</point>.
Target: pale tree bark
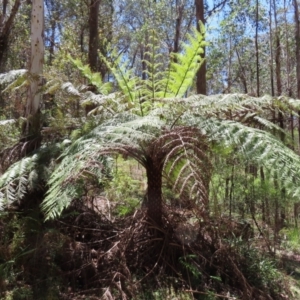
<point>35,67</point>
<point>201,74</point>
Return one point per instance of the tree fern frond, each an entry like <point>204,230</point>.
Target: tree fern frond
<point>65,180</point>
<point>94,78</point>
<point>26,175</point>
<point>52,86</point>
<point>184,66</point>
<point>14,77</point>
<point>70,89</point>
<point>258,147</point>
<point>127,81</point>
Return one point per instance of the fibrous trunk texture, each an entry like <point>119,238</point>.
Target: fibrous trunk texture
<point>154,194</point>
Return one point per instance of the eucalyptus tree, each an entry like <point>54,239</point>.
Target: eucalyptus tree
<point>35,69</point>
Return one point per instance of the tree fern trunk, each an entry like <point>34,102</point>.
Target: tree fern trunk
<point>154,193</point>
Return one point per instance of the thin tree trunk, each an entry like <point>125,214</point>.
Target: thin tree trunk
<point>201,74</point>
<point>277,54</point>
<point>93,35</point>
<point>271,52</point>
<point>179,8</point>
<point>297,54</point>
<point>243,72</point>
<point>229,65</point>
<point>5,27</point>
<point>256,51</point>
<point>297,40</point>
<point>287,49</point>
<point>35,67</point>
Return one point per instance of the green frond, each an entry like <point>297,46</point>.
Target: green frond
<point>94,78</point>
<point>127,81</point>
<point>111,103</point>
<point>184,66</point>
<point>52,86</point>
<point>70,89</point>
<point>68,179</point>
<point>13,78</point>
<point>125,133</point>
<point>257,147</point>
<point>26,175</point>
<point>187,165</point>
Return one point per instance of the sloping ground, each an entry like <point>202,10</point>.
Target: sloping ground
<point>86,255</point>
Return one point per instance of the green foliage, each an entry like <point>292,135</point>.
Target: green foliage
<point>187,161</point>
<point>260,270</point>
<point>28,174</point>
<point>13,79</point>
<point>69,179</point>
<point>9,133</point>
<point>173,82</point>
<point>291,238</point>
<point>93,78</point>
<point>191,266</point>
<point>125,189</point>
<point>184,66</point>
<point>124,76</point>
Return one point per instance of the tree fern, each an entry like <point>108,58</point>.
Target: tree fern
<point>184,66</point>
<point>28,174</point>
<point>125,77</point>
<point>13,78</point>
<point>181,150</point>
<point>174,82</point>
<point>93,78</point>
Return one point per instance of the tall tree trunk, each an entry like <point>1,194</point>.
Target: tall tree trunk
<point>279,209</point>
<point>201,74</point>
<point>35,68</point>
<point>229,65</point>
<point>242,72</point>
<point>297,40</point>
<point>297,54</point>
<point>277,53</point>
<point>256,50</point>
<point>179,8</point>
<point>154,193</point>
<point>93,34</point>
<point>271,52</point>
<point>5,26</point>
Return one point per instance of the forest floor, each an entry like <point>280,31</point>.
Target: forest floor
<point>86,255</point>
